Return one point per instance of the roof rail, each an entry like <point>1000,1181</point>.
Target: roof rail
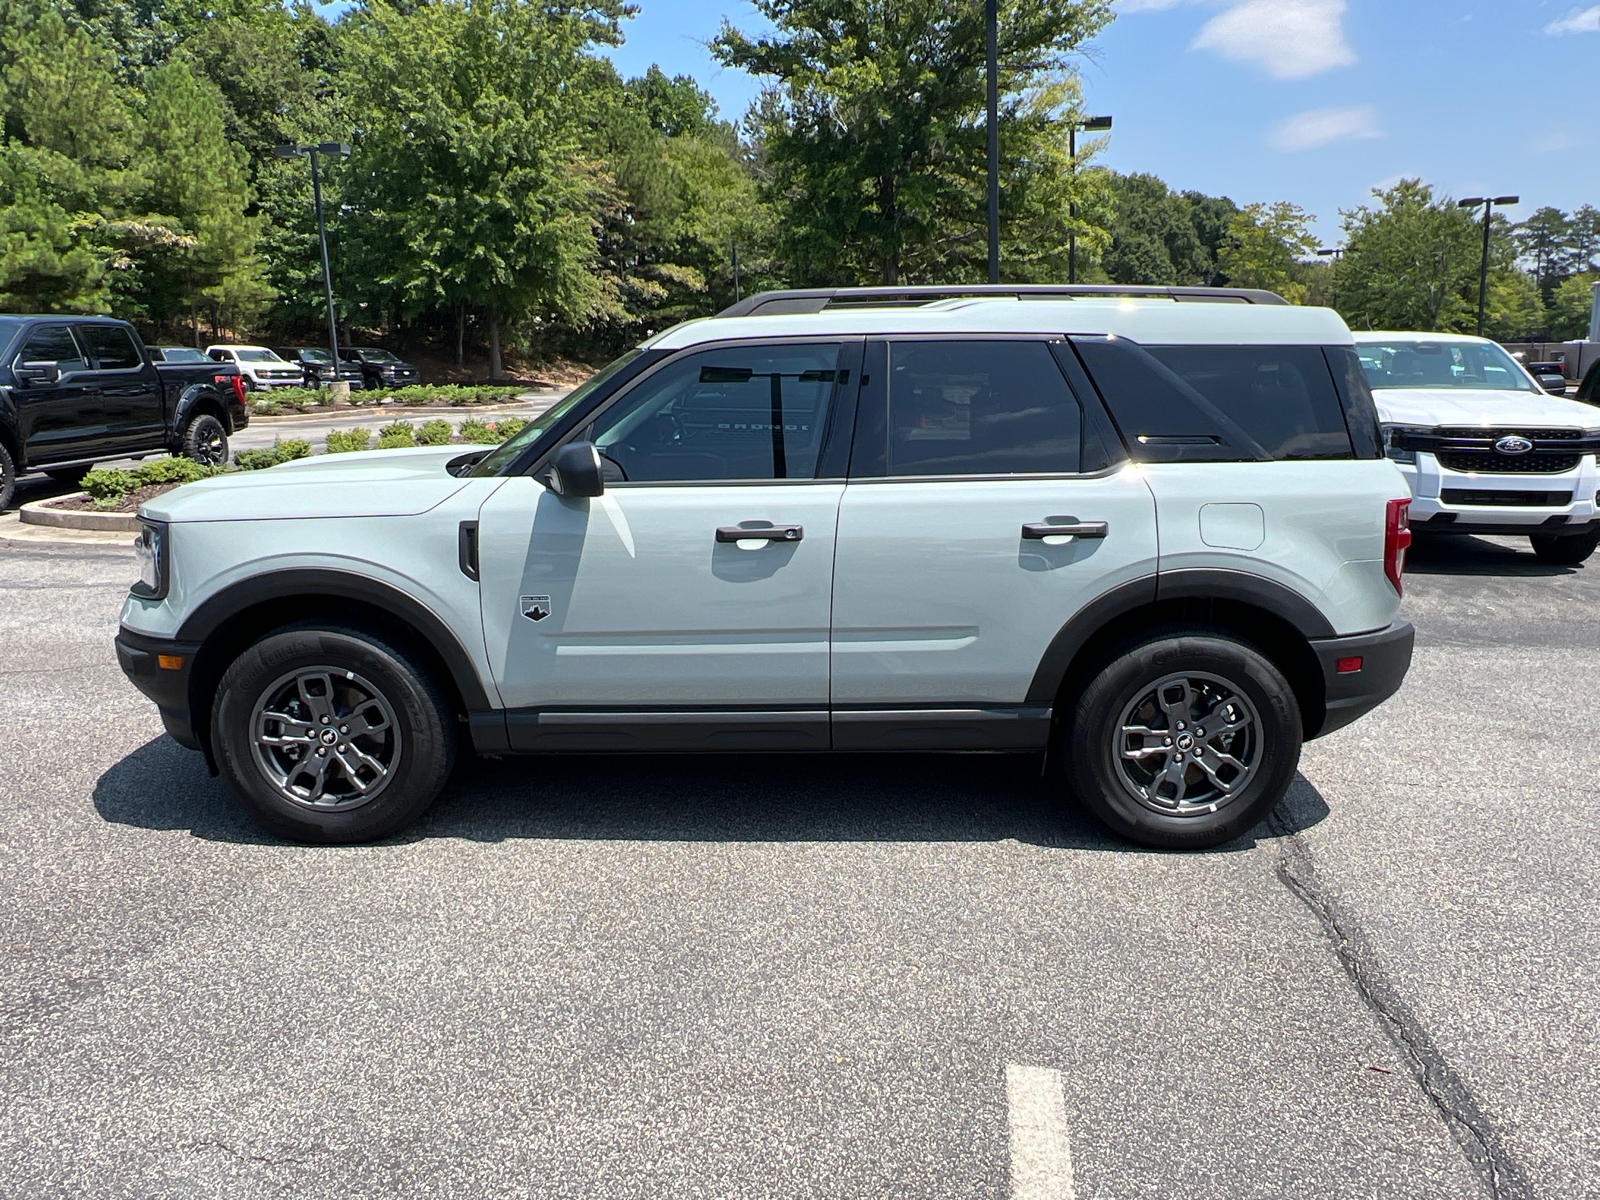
<point>812,300</point>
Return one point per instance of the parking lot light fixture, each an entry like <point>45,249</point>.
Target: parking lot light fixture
<point>1488,203</point>
<point>332,150</point>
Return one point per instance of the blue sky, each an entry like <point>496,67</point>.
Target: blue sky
<point>1312,101</point>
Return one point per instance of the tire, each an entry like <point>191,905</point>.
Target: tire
<point>375,783</point>
<point>205,439</point>
<point>1565,551</point>
<point>1209,801</point>
<point>71,476</point>
<point>8,478</point>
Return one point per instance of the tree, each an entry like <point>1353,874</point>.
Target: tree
<point>1264,243</point>
<point>874,132</point>
<point>1545,237</point>
<point>1411,262</point>
<point>465,188</point>
<point>1570,308</point>
<point>1584,227</point>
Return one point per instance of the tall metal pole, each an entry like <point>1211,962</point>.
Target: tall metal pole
<point>1072,203</point>
<point>1483,267</point>
<point>991,16</point>
<point>736,296</point>
<point>327,275</point>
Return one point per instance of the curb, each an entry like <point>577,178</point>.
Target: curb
<point>38,512</point>
<point>16,536</point>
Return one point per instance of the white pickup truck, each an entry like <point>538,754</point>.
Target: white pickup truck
<point>1483,446</point>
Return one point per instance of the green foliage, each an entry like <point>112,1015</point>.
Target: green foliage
<point>397,435</point>
<point>875,139</point>
<point>479,432</point>
<point>1411,262</point>
<point>109,484</point>
<point>282,451</point>
<point>1570,307</point>
<point>434,433</point>
<point>343,441</point>
<point>172,470</point>
<point>507,428</point>
<point>1264,243</point>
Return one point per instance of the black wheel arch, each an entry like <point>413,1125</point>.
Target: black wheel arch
<point>1267,615</point>
<point>199,399</point>
<point>228,623</point>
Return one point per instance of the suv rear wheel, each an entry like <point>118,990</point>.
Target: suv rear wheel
<point>330,734</point>
<point>1566,551</point>
<point>8,478</point>
<point>1184,740</point>
<point>205,439</point>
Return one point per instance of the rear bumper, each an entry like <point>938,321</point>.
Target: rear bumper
<point>140,658</point>
<point>1384,656</point>
<point>1550,527</point>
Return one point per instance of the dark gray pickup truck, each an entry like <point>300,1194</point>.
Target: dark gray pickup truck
<point>75,391</point>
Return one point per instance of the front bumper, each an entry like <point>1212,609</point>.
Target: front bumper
<point>1436,505</point>
<point>1384,657</point>
<point>161,669</point>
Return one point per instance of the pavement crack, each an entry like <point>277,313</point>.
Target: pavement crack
<point>1447,1091</point>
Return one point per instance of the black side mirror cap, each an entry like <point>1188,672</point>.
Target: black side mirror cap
<point>38,372</point>
<point>576,471</point>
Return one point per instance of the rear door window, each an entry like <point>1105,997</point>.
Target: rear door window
<point>112,347</point>
<point>980,407</point>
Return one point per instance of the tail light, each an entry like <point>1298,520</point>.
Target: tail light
<point>238,390</point>
<point>1396,540</point>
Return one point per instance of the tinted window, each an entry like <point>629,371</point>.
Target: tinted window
<point>112,347</point>
<point>979,408</point>
<point>1160,416</point>
<point>755,412</point>
<point>53,343</point>
<point>1282,395</point>
<point>1360,412</point>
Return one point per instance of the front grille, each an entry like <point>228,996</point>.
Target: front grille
<point>1534,435</point>
<point>1467,496</point>
<point>1537,463</point>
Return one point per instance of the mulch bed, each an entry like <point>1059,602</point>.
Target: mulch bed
<point>129,503</point>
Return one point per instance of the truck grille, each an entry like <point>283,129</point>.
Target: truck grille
<point>1543,460</point>
<point>1467,496</point>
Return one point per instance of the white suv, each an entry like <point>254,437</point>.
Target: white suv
<point>1155,540</point>
<point>1483,447</point>
<point>262,369</point>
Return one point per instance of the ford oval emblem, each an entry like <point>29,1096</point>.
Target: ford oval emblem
<point>1513,445</point>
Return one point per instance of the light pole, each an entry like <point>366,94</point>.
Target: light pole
<point>1088,125</point>
<point>1483,265</point>
<point>991,17</point>
<point>335,150</point>
<point>1337,254</point>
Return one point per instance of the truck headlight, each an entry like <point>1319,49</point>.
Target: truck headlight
<point>1393,438</point>
<point>151,548</point>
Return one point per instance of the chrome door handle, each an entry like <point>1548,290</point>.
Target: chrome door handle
<point>768,533</point>
<point>1037,530</point>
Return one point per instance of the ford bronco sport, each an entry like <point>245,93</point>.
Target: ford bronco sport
<point>1154,538</point>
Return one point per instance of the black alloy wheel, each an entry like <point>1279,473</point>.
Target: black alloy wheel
<point>205,440</point>
<point>8,478</point>
<point>1183,739</point>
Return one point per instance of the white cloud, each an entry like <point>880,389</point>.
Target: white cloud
<point>1577,20</point>
<point>1133,6</point>
<point>1308,130</point>
<point>1290,38</point>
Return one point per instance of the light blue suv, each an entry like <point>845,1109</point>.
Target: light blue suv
<point>1152,538</point>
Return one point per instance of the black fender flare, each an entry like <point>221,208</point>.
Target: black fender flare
<point>193,397</point>
<point>215,611</point>
<point>1189,584</point>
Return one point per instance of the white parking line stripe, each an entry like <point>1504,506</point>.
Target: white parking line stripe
<point>1041,1155</point>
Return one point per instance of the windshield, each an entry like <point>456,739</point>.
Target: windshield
<point>316,356</point>
<point>1478,366</point>
<point>495,461</point>
<point>257,356</point>
<point>376,356</point>
<point>177,354</point>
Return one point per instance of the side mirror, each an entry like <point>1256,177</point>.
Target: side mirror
<point>1556,385</point>
<point>576,471</point>
<point>38,372</point>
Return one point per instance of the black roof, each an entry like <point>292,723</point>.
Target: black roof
<point>811,300</point>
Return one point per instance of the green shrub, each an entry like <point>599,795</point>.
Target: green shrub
<point>455,395</point>
<point>110,485</point>
<point>396,434</point>
<point>434,433</point>
<point>281,452</point>
<point>507,428</point>
<point>266,408</point>
<point>342,441</point>
<point>171,470</point>
<point>395,441</point>
<point>474,430</point>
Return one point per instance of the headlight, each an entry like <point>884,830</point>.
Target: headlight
<point>1394,437</point>
<point>151,549</point>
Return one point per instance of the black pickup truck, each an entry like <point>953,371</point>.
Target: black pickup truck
<point>75,391</point>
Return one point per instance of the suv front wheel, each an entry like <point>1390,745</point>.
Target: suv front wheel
<point>329,734</point>
<point>1565,551</point>
<point>1184,740</point>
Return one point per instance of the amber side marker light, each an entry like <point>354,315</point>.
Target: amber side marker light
<point>1345,666</point>
<point>174,662</point>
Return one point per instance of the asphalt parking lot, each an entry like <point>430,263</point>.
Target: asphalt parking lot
<point>853,977</point>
